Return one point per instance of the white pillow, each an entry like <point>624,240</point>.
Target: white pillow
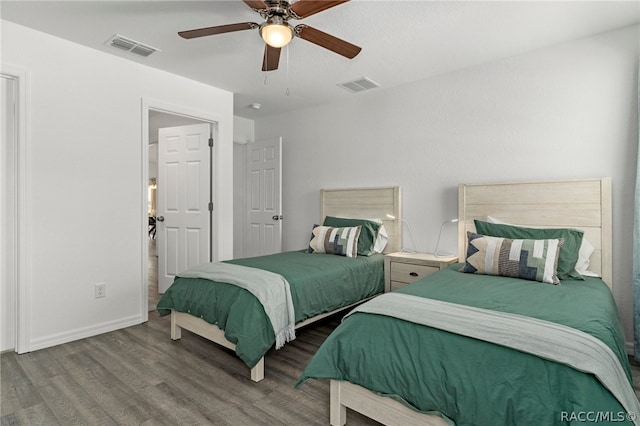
<point>586,249</point>
<point>382,238</point>
<point>582,265</point>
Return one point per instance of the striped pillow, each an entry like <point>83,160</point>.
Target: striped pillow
<point>535,260</point>
<point>330,240</point>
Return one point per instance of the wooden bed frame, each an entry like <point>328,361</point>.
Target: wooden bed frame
<point>583,204</point>
<point>358,203</point>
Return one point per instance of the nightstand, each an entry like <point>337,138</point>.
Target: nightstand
<point>401,268</point>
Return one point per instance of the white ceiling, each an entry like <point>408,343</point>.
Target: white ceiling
<point>402,41</point>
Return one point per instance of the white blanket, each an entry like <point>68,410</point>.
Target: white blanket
<point>545,339</point>
<point>271,289</point>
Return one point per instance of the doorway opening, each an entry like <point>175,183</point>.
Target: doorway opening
<point>8,219</point>
<point>157,116</point>
<point>14,310</point>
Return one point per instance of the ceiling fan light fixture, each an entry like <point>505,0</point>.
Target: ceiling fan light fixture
<point>276,32</point>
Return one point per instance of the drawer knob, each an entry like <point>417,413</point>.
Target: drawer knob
<point>413,274</point>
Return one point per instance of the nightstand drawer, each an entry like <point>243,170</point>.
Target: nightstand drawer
<point>408,273</point>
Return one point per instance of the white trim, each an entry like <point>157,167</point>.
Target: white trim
<point>22,213</point>
<point>8,194</point>
<point>83,332</point>
<point>218,123</point>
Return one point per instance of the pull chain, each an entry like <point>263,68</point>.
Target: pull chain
<point>287,52</point>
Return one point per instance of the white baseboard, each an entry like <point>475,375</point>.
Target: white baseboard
<point>81,333</point>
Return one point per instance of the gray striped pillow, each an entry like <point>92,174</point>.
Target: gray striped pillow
<point>331,240</point>
<point>535,260</point>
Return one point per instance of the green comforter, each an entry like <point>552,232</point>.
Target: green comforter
<point>319,283</point>
<point>470,381</point>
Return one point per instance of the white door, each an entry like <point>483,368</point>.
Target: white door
<point>264,197</point>
<point>184,208</point>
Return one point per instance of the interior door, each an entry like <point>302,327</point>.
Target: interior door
<point>264,197</point>
<point>184,209</point>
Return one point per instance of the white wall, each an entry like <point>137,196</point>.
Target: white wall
<point>568,111</point>
<point>86,184</point>
<point>243,130</point>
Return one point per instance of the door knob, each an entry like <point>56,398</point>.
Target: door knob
<point>276,217</point>
<point>160,218</point>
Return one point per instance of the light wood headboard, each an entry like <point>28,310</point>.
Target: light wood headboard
<point>583,204</point>
<point>367,203</point>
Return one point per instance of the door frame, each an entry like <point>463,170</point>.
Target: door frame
<point>148,105</point>
<point>19,216</point>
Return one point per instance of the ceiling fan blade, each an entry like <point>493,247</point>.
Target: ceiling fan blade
<point>303,8</point>
<point>220,29</point>
<point>327,41</point>
<point>256,4</point>
<point>271,58</point>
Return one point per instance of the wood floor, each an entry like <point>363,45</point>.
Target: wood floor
<point>138,376</point>
<point>152,273</point>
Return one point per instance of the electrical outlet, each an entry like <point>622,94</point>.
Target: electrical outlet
<point>100,290</point>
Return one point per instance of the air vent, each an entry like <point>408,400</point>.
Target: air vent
<point>132,46</point>
<point>359,85</point>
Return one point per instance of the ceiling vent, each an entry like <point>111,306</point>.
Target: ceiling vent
<point>132,46</point>
<point>359,85</point>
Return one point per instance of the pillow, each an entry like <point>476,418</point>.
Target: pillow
<point>381,240</point>
<point>570,249</point>
<point>584,254</point>
<point>368,233</point>
<point>383,237</point>
<point>330,240</point>
<point>534,260</point>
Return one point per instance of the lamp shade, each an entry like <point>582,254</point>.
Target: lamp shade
<point>276,34</point>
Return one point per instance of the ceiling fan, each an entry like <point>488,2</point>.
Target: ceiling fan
<point>277,32</point>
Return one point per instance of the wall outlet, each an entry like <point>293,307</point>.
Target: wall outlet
<point>100,290</point>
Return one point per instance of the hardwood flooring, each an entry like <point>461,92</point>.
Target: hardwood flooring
<point>138,376</point>
<point>152,272</point>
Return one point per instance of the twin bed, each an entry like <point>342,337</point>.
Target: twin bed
<point>469,348</point>
<point>320,284</point>
<point>455,348</point>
